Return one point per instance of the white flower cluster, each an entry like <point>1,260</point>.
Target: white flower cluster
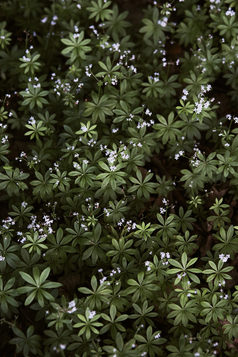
<point>76,165</point>
<point>69,148</point>
<point>125,155</point>
<point>162,210</point>
<point>115,271</point>
<point>180,276</point>
<point>202,104</point>
<point>114,155</point>
<point>131,116</point>
<point>103,280</point>
<point>224,257</point>
<point>124,58</point>
<point>91,314</point>
<point>147,264</point>
<point>115,47</point>
<point>88,70</point>
<point>224,296</point>
<point>163,22</point>
<point>34,85</point>
<point>130,225</point>
<point>106,212</point>
<point>64,87</point>
<point>111,156</point>
<point>157,336</point>
<point>54,20</point>
<point>76,29</point>
<point>143,123</point>
<point>4,139</point>
<point>155,77</point>
<point>71,307</point>
<point>84,226</point>
<point>112,273</point>
<point>113,168</point>
<point>148,112</point>
<point>24,204</point>
<point>59,348</point>
<point>194,161</point>
<point>115,130</point>
<point>104,45</point>
<point>165,202</point>
<point>91,142</point>
<point>43,228</point>
<point>36,159</point>
<point>230,12</point>
<point>120,222</point>
<point>4,126</point>
<point>185,94</point>
<point>229,117</point>
<point>21,239</point>
<point>8,222</point>
<point>164,257</point>
<point>26,58</point>
<point>139,145</point>
<point>180,153</point>
<point>113,80</point>
<point>95,31</point>
<point>31,120</point>
<point>215,2</point>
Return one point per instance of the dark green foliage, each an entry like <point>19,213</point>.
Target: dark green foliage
<point>118,178</point>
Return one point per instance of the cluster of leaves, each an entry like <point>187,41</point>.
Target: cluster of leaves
<point>118,182</point>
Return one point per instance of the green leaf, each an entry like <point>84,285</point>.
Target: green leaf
<point>44,275</point>
<point>27,278</point>
<point>30,298</point>
<point>184,259</point>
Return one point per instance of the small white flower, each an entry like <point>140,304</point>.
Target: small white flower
<point>91,314</point>
<point>102,280</point>
<point>44,19</point>
<point>148,112</point>
<point>230,12</point>
<point>223,257</point>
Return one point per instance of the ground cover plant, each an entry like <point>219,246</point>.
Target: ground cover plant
<point>118,178</point>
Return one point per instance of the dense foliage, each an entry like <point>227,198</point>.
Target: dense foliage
<point>118,178</point>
